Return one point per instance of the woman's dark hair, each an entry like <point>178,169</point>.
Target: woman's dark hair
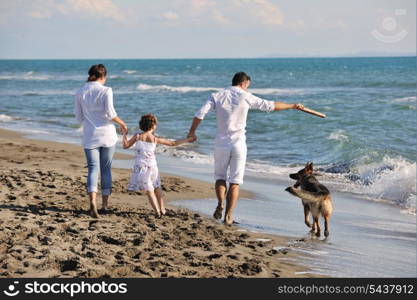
<point>96,72</point>
<point>240,77</point>
<point>147,122</point>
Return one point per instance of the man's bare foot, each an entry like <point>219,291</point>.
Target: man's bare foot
<point>218,213</point>
<point>228,220</point>
<point>93,212</point>
<point>105,205</point>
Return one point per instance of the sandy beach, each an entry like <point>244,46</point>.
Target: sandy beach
<point>45,231</point>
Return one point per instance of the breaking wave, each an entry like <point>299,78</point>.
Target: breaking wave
<point>187,89</point>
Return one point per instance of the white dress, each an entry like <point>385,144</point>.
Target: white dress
<point>145,174</point>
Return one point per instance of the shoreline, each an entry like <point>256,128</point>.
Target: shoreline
<point>46,232</point>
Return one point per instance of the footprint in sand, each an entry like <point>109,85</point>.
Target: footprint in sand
<point>214,256</point>
<point>112,241</point>
<point>69,265</point>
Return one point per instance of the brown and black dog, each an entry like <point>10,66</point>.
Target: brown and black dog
<point>315,197</point>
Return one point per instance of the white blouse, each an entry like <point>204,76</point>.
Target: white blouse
<point>94,110</point>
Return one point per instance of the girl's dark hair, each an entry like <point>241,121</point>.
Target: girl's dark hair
<point>147,122</point>
<point>96,72</point>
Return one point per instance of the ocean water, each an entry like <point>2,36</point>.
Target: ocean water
<point>366,146</point>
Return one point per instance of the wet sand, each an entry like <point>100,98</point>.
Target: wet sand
<point>46,232</point>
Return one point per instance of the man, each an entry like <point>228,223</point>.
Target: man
<point>231,106</point>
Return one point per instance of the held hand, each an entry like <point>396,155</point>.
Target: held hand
<point>298,106</point>
<point>123,129</point>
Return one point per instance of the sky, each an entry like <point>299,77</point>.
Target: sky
<point>76,29</point>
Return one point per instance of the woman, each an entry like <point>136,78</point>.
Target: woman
<point>94,110</point>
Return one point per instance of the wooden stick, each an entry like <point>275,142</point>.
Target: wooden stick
<point>313,112</point>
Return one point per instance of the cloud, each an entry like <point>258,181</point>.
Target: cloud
<point>206,9</point>
<point>200,6</point>
<point>301,25</point>
<point>295,25</point>
<point>8,10</point>
<point>200,12</point>
<point>238,12</point>
<point>339,24</point>
<point>169,15</point>
<point>39,14</point>
<point>104,9</point>
<point>266,12</point>
<point>99,8</point>
<point>323,24</point>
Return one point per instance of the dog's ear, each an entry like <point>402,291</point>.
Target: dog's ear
<point>294,176</point>
<point>309,166</point>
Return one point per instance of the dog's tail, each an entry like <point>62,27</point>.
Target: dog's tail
<point>310,197</point>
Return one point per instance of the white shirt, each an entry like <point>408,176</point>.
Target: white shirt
<point>94,110</point>
<point>231,106</point>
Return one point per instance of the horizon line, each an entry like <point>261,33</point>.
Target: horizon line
<point>214,58</point>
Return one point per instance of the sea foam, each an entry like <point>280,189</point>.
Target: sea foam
<point>339,135</point>
<point>187,89</point>
<point>6,118</point>
<point>24,76</point>
<point>178,89</point>
<point>406,99</point>
<point>393,179</point>
<point>129,71</point>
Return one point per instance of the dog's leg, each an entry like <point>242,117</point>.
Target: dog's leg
<point>326,225</point>
<point>307,215</point>
<point>316,220</point>
<point>313,227</point>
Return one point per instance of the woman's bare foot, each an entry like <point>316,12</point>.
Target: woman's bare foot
<point>163,211</point>
<point>93,212</point>
<point>93,205</point>
<point>218,213</point>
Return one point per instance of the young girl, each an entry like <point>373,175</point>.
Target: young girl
<point>145,176</point>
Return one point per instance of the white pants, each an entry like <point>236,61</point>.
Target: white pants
<point>233,155</point>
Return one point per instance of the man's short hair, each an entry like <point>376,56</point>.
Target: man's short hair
<point>240,77</point>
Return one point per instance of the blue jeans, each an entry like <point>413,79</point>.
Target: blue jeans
<point>101,156</point>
